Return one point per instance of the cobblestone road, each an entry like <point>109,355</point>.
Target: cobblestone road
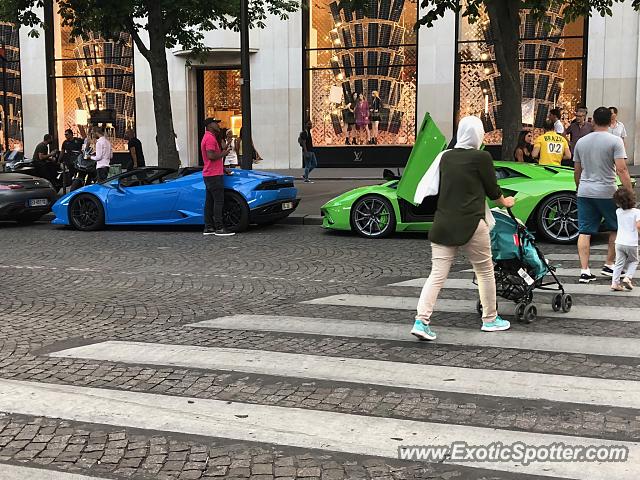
<point>65,293</point>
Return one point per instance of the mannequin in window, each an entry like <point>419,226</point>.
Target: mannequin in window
<point>349,117</point>
<point>374,108</point>
<point>362,119</point>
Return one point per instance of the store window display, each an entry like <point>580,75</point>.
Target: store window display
<point>360,69</point>
<point>553,66</point>
<point>94,84</point>
<point>11,119</point>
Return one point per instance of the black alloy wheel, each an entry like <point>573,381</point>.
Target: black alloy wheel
<point>567,303</point>
<point>372,216</point>
<point>557,218</point>
<point>235,214</point>
<point>556,303</point>
<point>530,313</point>
<point>86,213</point>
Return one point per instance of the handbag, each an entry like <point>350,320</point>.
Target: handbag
<point>85,164</point>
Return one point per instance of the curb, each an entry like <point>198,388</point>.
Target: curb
<point>302,219</point>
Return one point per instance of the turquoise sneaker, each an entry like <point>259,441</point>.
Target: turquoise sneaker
<point>497,325</point>
<point>422,331</point>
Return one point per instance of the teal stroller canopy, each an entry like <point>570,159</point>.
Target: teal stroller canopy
<point>510,240</point>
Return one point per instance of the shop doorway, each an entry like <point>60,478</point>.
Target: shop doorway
<point>219,96</point>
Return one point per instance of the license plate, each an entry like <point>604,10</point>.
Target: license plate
<point>287,205</point>
<point>38,202</point>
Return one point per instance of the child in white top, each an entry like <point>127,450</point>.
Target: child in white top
<point>626,240</point>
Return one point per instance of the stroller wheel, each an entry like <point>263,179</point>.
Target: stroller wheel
<point>567,302</point>
<point>530,313</point>
<point>519,313</point>
<point>556,303</point>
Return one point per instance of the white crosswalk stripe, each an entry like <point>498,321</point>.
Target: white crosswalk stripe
<point>14,472</point>
<point>560,272</point>
<point>340,432</point>
<point>616,314</point>
<point>548,342</point>
<point>577,289</point>
<point>574,257</point>
<point>525,385</point>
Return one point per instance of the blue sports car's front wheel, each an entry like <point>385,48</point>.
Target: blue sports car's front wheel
<point>86,213</point>
<point>372,216</point>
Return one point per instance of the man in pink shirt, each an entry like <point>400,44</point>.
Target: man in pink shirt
<point>213,174</point>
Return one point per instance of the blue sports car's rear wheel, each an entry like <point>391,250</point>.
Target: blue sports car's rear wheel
<point>373,217</point>
<point>235,214</point>
<point>86,213</point>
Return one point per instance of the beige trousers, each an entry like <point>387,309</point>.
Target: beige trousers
<point>478,251</point>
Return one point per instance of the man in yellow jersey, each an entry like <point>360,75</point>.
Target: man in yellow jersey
<point>551,148</point>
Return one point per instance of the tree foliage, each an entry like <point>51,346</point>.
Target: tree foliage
<point>183,22</point>
<point>168,23</point>
<point>573,9</point>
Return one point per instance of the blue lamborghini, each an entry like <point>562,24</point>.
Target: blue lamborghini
<point>166,196</point>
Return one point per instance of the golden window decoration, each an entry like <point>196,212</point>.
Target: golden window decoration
<point>552,62</point>
<point>358,52</point>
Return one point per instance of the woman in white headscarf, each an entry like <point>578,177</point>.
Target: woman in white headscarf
<point>462,219</point>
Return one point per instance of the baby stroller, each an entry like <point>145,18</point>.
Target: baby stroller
<point>520,268</point>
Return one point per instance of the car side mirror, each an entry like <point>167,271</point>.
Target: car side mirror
<point>118,186</point>
<point>389,175</point>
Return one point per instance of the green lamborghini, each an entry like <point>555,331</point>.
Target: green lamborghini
<point>545,197</point>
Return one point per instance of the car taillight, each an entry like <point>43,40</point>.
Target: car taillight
<point>11,186</point>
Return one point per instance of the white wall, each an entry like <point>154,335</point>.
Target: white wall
<point>612,68</point>
<point>33,69</point>
<point>436,69</point>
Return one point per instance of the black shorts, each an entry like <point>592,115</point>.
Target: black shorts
<point>375,117</point>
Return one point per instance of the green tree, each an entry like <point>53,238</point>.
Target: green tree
<point>168,23</point>
<point>504,19</point>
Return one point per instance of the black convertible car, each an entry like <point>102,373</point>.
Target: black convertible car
<point>24,198</point>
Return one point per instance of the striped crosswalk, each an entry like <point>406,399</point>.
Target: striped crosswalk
<point>302,428</point>
<point>548,342</point>
<point>621,314</point>
<point>509,391</point>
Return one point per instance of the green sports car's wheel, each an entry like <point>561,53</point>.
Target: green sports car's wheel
<point>373,217</point>
<point>557,218</point>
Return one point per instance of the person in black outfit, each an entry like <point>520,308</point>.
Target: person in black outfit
<point>45,161</point>
<point>308,155</point>
<point>71,148</point>
<point>523,150</point>
<point>135,150</point>
<point>375,108</point>
<point>349,117</point>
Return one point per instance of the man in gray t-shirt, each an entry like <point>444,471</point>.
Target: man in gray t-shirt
<point>598,157</point>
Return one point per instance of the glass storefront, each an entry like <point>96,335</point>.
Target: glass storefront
<point>552,70</point>
<point>94,84</point>
<point>11,118</point>
<point>350,53</point>
<point>221,97</point>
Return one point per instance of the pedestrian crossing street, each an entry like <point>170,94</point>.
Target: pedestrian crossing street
<point>353,433</point>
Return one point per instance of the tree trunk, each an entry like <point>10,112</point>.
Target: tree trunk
<point>504,18</point>
<point>156,56</point>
